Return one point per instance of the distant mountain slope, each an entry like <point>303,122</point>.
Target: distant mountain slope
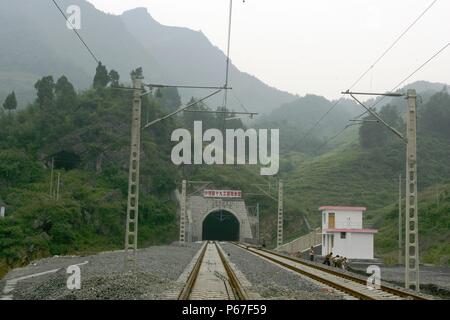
<point>188,57</point>
<point>296,119</point>
<point>36,42</point>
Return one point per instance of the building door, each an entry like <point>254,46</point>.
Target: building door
<point>331,220</point>
<point>330,243</point>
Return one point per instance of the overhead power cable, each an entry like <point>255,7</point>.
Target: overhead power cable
<point>393,44</point>
<point>319,121</point>
<point>414,72</point>
<point>76,32</point>
<point>393,89</point>
<point>368,70</point>
<point>332,138</point>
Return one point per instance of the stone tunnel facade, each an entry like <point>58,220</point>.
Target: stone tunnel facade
<point>199,208</point>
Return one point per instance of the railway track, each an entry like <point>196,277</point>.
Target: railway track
<point>212,277</point>
<point>343,282</point>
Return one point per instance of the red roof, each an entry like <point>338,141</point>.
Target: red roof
<point>351,230</point>
<point>331,208</point>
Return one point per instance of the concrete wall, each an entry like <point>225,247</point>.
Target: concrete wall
<point>303,243</point>
<point>354,246</point>
<point>198,208</point>
<point>343,220</point>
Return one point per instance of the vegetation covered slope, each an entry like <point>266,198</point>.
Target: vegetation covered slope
<point>434,226</point>
<point>41,44</point>
<point>365,173</point>
<point>86,136</point>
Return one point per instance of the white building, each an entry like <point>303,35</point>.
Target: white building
<point>343,233</point>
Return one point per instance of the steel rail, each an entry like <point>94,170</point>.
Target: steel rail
<point>391,290</point>
<point>187,289</point>
<point>324,281</point>
<point>238,291</point>
<point>384,288</point>
<point>235,284</point>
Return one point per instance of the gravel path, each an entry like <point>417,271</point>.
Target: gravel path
<point>273,282</point>
<point>434,280</point>
<point>103,276</point>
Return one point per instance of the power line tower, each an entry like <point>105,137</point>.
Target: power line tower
<point>280,214</point>
<point>131,233</point>
<point>183,213</point>
<point>411,213</point>
<point>411,208</point>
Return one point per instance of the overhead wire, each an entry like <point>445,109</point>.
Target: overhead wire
<point>397,40</point>
<point>414,72</point>
<point>77,33</point>
<point>359,79</point>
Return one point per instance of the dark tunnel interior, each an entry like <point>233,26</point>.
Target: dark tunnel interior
<point>221,226</point>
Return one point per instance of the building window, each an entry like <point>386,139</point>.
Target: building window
<point>324,217</point>
<point>343,235</point>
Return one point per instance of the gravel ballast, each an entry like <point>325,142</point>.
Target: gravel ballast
<point>273,282</point>
<point>103,277</point>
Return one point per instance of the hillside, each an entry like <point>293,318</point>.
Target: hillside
<point>434,224</point>
<point>87,136</point>
<point>295,119</point>
<point>38,47</point>
<point>354,174</point>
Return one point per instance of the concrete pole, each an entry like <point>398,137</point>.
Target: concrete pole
<point>183,213</point>
<point>51,177</point>
<point>131,234</point>
<point>57,185</point>
<point>400,221</point>
<point>411,213</point>
<point>257,223</point>
<point>280,214</point>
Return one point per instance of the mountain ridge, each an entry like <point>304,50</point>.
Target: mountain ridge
<point>38,47</point>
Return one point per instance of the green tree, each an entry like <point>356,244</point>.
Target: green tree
<point>168,98</point>
<point>101,78</point>
<point>65,94</point>
<point>208,120</point>
<point>45,94</point>
<point>137,73</point>
<point>10,102</point>
<point>114,77</point>
<point>373,134</point>
<point>435,116</point>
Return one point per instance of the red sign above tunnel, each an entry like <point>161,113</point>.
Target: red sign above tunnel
<point>222,193</point>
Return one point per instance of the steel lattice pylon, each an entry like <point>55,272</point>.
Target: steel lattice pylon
<point>131,234</point>
<point>280,214</point>
<point>411,213</point>
<point>183,213</point>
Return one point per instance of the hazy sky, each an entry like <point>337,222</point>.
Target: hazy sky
<point>316,46</point>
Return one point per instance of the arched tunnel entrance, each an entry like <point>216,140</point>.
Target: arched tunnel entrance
<point>221,225</point>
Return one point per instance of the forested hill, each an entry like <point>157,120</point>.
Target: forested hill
<point>364,171</point>
<point>87,136</point>
<point>311,121</point>
<point>34,46</point>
